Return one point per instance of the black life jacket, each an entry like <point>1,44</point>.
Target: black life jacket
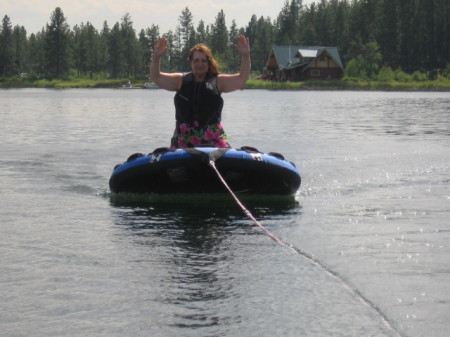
<point>198,101</point>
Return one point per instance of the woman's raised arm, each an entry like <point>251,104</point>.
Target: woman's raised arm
<point>227,82</point>
<point>168,81</point>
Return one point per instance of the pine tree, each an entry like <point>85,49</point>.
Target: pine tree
<point>6,48</point>
<point>412,35</point>
<point>287,24</point>
<point>36,54</point>
<point>103,48</point>
<point>262,45</point>
<point>201,33</point>
<point>130,48</point>
<point>187,36</point>
<point>234,58</point>
<point>57,45</point>
<point>386,32</point>
<point>90,34</point>
<point>152,34</point>
<point>20,47</point>
<point>219,34</point>
<point>169,62</point>
<point>115,47</point>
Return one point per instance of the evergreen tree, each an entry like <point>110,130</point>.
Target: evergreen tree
<point>20,49</point>
<point>176,56</point>
<point>322,25</point>
<point>79,52</point>
<point>57,45</point>
<point>234,58</point>
<point>263,43</point>
<point>152,34</point>
<point>187,36</point>
<point>405,35</point>
<point>287,24</point>
<point>386,32</point>
<point>86,49</point>
<point>36,54</point>
<point>147,41</point>
<point>251,29</point>
<point>115,47</point>
<point>309,34</point>
<point>104,59</point>
<point>442,26</point>
<point>412,35</point>
<point>201,34</point>
<point>169,62</point>
<point>6,48</point>
<point>219,35</point>
<point>92,38</point>
<point>426,36</point>
<point>143,52</point>
<point>130,49</point>
<point>186,27</point>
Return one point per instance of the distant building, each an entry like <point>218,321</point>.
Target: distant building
<point>300,63</point>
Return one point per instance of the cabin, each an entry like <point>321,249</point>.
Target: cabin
<point>300,63</point>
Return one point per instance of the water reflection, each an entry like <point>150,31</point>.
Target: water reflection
<point>192,243</point>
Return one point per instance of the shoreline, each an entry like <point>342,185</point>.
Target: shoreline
<point>437,85</point>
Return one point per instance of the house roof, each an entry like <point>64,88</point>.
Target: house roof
<point>288,56</point>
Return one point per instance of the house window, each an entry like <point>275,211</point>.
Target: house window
<point>315,72</point>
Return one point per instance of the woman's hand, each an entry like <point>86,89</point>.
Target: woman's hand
<point>160,47</point>
<point>243,45</point>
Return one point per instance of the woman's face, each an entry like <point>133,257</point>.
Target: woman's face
<point>199,64</point>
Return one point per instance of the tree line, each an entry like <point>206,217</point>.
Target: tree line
<point>409,35</point>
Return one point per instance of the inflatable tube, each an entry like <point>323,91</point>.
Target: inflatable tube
<point>245,170</point>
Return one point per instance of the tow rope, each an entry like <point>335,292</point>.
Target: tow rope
<point>212,159</point>
<point>363,299</point>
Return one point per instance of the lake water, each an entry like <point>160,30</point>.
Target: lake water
<point>370,224</point>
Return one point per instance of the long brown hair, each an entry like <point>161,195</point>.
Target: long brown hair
<point>213,64</point>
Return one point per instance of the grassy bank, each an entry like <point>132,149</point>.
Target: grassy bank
<point>75,82</point>
<point>438,85</point>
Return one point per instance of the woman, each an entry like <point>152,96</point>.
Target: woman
<point>198,101</point>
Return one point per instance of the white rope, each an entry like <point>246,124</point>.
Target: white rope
<point>245,210</point>
<point>309,257</point>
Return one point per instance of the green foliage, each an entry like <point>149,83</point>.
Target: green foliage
<point>386,74</point>
<point>356,68</point>
<point>366,64</point>
<point>401,76</point>
<point>222,59</point>
<point>373,38</point>
<point>446,71</point>
<point>262,84</point>
<point>419,76</point>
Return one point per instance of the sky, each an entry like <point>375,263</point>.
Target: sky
<point>34,15</point>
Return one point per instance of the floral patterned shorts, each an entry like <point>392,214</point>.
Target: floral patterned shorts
<point>187,135</point>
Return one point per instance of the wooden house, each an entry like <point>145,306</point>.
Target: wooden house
<point>300,63</point>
